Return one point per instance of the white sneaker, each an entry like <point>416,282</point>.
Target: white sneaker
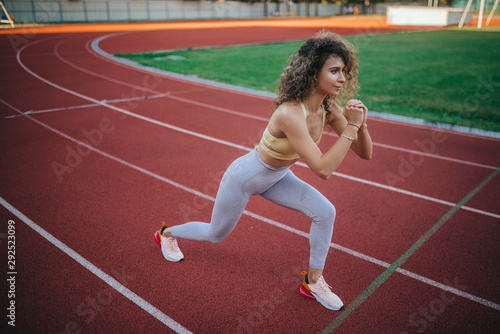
<point>169,247</point>
<point>322,293</point>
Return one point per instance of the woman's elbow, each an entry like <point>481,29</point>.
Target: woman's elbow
<point>324,174</point>
<point>367,156</point>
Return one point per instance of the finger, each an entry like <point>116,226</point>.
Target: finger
<point>362,106</point>
<point>359,105</point>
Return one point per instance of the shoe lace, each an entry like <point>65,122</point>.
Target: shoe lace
<point>323,285</point>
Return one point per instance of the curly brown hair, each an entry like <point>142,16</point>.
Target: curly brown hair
<point>300,77</point>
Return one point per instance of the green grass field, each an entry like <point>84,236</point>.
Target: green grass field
<point>446,76</point>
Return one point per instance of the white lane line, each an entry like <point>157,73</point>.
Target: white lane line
<point>460,161</point>
<point>409,193</point>
<point>220,141</point>
<point>379,116</point>
<point>133,297</point>
<point>152,91</point>
<point>96,51</point>
<point>91,105</point>
<point>415,152</point>
<point>391,147</point>
<point>126,112</point>
<point>444,127</point>
<point>261,218</point>
<point>450,289</point>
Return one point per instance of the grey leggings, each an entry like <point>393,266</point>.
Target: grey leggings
<point>249,175</point>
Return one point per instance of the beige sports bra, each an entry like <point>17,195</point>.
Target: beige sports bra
<point>280,148</point>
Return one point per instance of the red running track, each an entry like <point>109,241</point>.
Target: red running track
<point>84,216</point>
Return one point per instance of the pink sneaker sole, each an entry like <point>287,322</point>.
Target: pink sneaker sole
<point>304,293</point>
<point>157,239</point>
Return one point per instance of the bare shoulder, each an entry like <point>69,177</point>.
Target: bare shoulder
<point>287,113</point>
<point>288,109</point>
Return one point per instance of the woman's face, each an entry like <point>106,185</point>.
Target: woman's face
<point>331,77</point>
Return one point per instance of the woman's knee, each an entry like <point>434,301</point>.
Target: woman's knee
<point>327,212</point>
<point>216,237</point>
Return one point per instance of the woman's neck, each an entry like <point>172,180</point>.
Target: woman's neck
<point>313,102</point>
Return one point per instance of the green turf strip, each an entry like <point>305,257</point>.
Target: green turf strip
<point>402,259</point>
<point>445,76</point>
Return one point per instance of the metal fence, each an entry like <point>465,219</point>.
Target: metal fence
<point>488,4</point>
<point>43,11</point>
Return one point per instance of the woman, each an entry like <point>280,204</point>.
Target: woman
<point>320,74</point>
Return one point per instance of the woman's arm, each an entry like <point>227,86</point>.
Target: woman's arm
<point>362,143</point>
<point>292,123</point>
